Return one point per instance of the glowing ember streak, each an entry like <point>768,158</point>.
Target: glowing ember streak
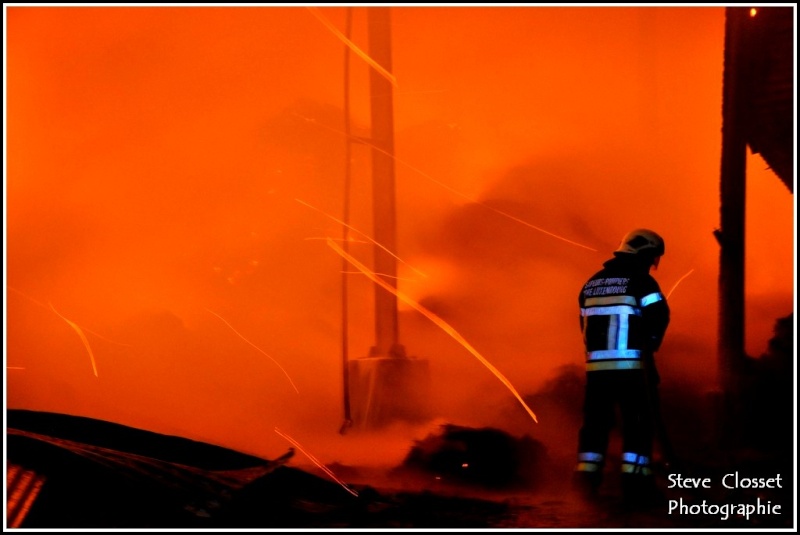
<point>14,368</point>
<point>26,296</point>
<point>257,348</point>
<point>83,338</point>
<point>470,199</point>
<point>363,55</point>
<point>679,281</point>
<point>382,275</point>
<point>316,462</point>
<point>348,240</point>
<point>437,320</point>
<point>362,234</point>
<point>87,330</point>
<point>492,208</point>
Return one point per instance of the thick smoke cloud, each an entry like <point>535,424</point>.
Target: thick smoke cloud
<point>157,158</point>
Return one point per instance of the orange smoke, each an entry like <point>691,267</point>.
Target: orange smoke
<point>439,322</point>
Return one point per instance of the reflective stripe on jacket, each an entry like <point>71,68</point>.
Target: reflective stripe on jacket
<point>623,315</point>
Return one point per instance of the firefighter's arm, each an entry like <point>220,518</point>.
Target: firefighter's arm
<point>656,319</point>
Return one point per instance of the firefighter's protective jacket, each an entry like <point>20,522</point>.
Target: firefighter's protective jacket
<point>623,315</point>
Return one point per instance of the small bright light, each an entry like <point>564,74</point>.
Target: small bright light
<point>464,465</point>
<point>753,12</point>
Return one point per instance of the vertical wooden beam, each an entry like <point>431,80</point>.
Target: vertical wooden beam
<point>387,386</point>
<point>731,234</point>
<point>383,182</point>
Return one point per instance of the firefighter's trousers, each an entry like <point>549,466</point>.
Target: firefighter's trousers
<point>607,390</point>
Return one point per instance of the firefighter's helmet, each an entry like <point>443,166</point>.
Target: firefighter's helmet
<point>642,241</point>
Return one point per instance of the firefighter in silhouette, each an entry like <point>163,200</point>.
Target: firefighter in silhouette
<point>623,317</point>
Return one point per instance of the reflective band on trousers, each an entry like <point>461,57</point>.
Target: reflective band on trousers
<point>633,463</point>
<point>589,461</point>
<point>635,458</point>
<point>636,469</point>
<point>587,467</point>
<point>652,298</point>
<point>622,310</point>
<point>591,457</point>
<point>614,365</point>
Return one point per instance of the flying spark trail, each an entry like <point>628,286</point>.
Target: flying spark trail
<point>86,330</point>
<point>382,275</point>
<point>83,338</point>
<point>26,296</point>
<point>14,368</point>
<point>348,240</point>
<point>316,462</point>
<point>437,320</point>
<point>362,234</point>
<point>360,53</point>
<point>257,348</point>
<point>679,281</point>
<point>456,192</point>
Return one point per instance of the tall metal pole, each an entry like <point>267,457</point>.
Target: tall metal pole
<point>383,185</point>
<point>345,229</point>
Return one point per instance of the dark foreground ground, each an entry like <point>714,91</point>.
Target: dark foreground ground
<point>68,472</point>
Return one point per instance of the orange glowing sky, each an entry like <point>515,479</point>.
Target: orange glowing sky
<point>155,156</point>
